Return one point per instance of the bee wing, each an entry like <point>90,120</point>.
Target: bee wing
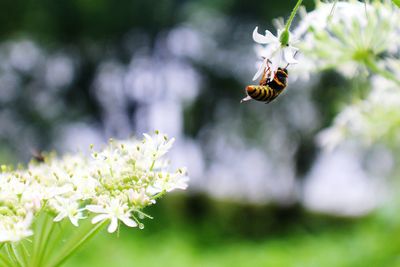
<point>247,98</point>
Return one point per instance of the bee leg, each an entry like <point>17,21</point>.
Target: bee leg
<point>247,98</point>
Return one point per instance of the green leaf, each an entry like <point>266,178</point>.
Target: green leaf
<point>396,2</point>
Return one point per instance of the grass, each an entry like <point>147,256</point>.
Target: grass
<point>367,242</point>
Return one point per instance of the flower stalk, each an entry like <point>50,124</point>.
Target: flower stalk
<point>293,14</point>
<point>285,34</point>
<point>371,64</point>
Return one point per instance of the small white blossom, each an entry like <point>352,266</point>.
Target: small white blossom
<point>156,146</point>
<point>139,198</point>
<point>275,54</point>
<point>15,228</point>
<point>67,208</point>
<point>169,181</point>
<point>113,210</point>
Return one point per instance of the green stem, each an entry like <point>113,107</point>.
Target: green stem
<point>5,261</point>
<point>66,254</point>
<point>380,71</point>
<point>294,11</point>
<point>18,256</point>
<point>142,213</point>
<point>11,255</point>
<point>159,195</point>
<point>24,253</point>
<point>152,165</point>
<point>37,239</point>
<point>45,245</point>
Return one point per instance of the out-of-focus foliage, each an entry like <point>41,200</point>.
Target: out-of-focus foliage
<point>77,72</point>
<point>211,239</point>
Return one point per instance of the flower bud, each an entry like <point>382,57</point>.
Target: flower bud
<point>284,38</point>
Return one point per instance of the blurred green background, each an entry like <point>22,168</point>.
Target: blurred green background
<point>76,72</point>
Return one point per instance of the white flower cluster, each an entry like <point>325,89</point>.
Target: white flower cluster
<point>113,184</point>
<point>349,36</point>
<point>355,38</point>
<point>375,119</point>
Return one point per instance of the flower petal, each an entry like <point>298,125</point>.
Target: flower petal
<point>261,51</point>
<point>274,67</point>
<point>74,221</point>
<point>260,70</point>
<point>129,222</point>
<point>288,55</point>
<point>99,218</point>
<point>113,225</point>
<point>263,39</point>
<point>59,217</point>
<point>95,208</point>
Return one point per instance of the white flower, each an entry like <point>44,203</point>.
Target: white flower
<point>15,228</point>
<point>139,199</point>
<point>353,38</point>
<point>67,208</point>
<point>375,119</point>
<point>156,146</point>
<point>275,54</point>
<point>114,184</point>
<point>114,210</point>
<point>169,181</point>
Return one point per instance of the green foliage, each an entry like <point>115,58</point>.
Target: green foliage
<point>308,240</point>
<point>396,2</point>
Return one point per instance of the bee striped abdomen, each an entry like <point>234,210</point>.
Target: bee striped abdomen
<point>261,92</point>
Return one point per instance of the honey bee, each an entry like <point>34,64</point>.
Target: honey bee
<point>268,90</point>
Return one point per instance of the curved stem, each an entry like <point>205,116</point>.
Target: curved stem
<point>380,71</point>
<point>46,235</point>
<point>152,165</point>
<point>18,256</point>
<point>11,255</point>
<point>4,260</point>
<point>159,195</point>
<point>294,11</point>
<point>66,254</point>
<point>333,8</point>
<point>37,238</point>
<point>24,253</point>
